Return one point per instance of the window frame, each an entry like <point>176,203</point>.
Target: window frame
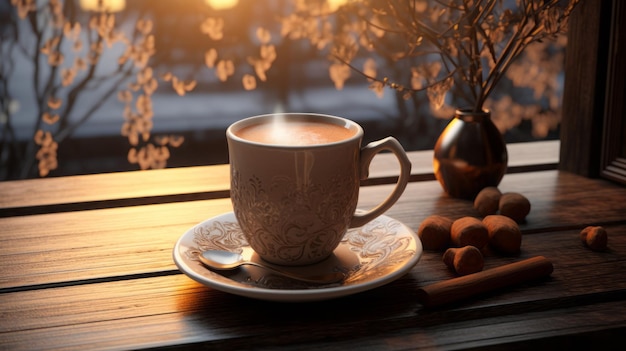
<point>592,127</point>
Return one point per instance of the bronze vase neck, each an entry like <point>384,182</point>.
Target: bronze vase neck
<point>469,115</point>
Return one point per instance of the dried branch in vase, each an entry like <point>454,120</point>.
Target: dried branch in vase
<point>463,45</point>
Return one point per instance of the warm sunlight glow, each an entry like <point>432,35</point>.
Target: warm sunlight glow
<point>221,4</point>
<point>108,5</point>
<point>335,4</point>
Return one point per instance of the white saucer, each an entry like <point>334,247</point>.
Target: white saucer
<point>371,256</point>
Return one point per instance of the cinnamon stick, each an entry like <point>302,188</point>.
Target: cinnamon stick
<point>473,284</point>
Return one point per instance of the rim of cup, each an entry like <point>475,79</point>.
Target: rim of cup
<point>340,121</point>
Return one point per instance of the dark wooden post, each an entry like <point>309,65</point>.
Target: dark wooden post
<point>592,127</point>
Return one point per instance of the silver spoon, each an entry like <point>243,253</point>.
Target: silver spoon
<point>226,260</point>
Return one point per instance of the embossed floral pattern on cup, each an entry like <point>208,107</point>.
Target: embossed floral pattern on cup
<point>308,222</point>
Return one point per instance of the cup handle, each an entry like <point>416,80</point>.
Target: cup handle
<point>367,154</point>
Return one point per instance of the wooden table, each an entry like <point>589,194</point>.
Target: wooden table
<point>86,263</point>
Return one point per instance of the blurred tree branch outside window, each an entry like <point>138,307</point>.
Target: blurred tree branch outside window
<point>147,64</point>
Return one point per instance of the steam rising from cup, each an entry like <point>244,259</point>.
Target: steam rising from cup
<point>299,134</point>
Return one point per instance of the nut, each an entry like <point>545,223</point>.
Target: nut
<point>469,231</point>
<point>595,237</point>
<point>504,234</point>
<point>487,201</point>
<point>434,232</point>
<point>515,206</point>
<point>464,260</point>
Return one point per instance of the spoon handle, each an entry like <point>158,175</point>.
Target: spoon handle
<point>328,278</point>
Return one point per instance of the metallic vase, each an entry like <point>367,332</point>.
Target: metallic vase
<point>470,154</point>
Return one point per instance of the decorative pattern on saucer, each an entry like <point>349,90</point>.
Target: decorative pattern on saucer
<point>370,256</point>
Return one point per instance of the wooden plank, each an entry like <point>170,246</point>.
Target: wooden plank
<point>558,200</point>
<point>201,325</point>
<point>83,245</point>
<point>62,248</point>
<point>131,297</point>
<point>597,326</point>
<point>580,275</point>
<point>120,255</point>
<point>160,311</point>
<point>523,157</point>
<point>45,195</point>
<point>204,182</point>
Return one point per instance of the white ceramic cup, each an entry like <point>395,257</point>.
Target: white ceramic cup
<point>294,203</point>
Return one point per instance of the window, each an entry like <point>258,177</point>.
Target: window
<point>593,128</point>
<point>202,115</point>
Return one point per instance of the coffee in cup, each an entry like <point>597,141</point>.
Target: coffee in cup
<point>295,133</point>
